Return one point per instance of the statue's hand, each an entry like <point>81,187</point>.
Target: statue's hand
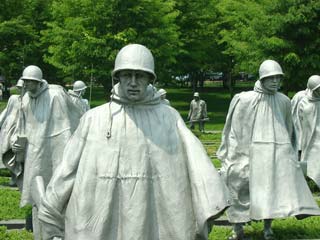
<point>50,232</point>
<point>16,148</point>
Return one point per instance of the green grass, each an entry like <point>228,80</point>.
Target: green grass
<point>4,181</point>
<point>285,229</point>
<point>3,104</point>
<point>9,205</point>
<point>15,234</point>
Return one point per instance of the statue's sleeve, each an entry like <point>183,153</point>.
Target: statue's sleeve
<point>190,111</point>
<point>3,116</point>
<point>209,193</point>
<point>61,184</point>
<point>224,146</point>
<point>298,133</point>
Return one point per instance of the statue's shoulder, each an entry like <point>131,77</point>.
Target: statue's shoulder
<point>14,97</point>
<point>245,96</point>
<point>56,89</point>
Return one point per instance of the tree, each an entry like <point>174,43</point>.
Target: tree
<point>200,51</point>
<point>85,33</point>
<point>21,23</point>
<point>285,31</point>
<point>17,42</point>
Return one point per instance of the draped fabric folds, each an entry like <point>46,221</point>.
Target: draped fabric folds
<point>259,160</point>
<point>134,171</point>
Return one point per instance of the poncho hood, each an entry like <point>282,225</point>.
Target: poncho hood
<point>258,87</point>
<point>72,93</point>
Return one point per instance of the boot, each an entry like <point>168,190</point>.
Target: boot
<point>237,232</point>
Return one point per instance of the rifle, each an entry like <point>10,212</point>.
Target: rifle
<point>200,120</point>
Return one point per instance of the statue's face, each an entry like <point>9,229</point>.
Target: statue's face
<point>272,83</point>
<point>31,85</point>
<point>133,84</point>
<point>80,93</point>
<point>316,93</point>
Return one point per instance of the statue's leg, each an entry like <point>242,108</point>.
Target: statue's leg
<point>267,232</point>
<point>237,232</point>
<point>201,126</point>
<point>36,223</point>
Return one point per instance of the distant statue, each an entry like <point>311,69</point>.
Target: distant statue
<point>309,122</point>
<point>79,89</point>
<point>197,112</point>
<point>132,169</point>
<point>47,118</point>
<point>163,95</point>
<point>259,162</point>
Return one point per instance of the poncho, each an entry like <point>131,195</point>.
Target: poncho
<point>81,103</point>
<point>294,110</point>
<point>134,171</point>
<point>49,120</point>
<point>8,121</point>
<point>259,162</point>
<point>309,120</point>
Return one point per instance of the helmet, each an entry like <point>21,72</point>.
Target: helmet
<point>269,68</point>
<point>79,85</point>
<point>313,82</point>
<point>32,73</point>
<point>20,83</point>
<point>134,57</point>
<point>162,92</point>
<point>196,94</point>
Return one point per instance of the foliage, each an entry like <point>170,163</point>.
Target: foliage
<point>84,36</point>
<point>253,31</point>
<point>18,40</point>
<point>200,52</point>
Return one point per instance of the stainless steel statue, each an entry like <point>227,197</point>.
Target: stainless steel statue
<point>197,112</point>
<point>294,110</point>
<point>47,118</point>
<point>8,121</point>
<point>259,161</point>
<point>13,104</point>
<point>308,123</point>
<point>79,88</point>
<point>132,169</point>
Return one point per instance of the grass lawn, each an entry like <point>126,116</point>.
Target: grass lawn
<point>15,234</point>
<point>286,229</point>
